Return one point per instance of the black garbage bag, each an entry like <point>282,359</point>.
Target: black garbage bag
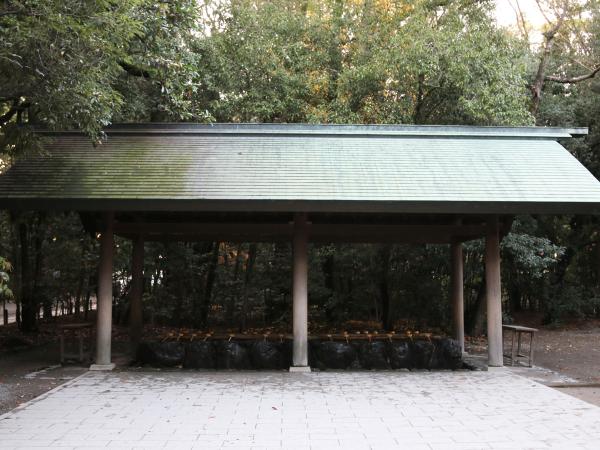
<point>232,355</point>
<point>373,355</point>
<point>267,355</point>
<point>161,354</point>
<point>447,354</point>
<point>400,354</point>
<point>200,355</point>
<point>422,353</point>
<point>335,355</point>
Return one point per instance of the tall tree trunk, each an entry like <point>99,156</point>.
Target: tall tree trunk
<point>28,321</point>
<point>384,295</point>
<point>328,269</point>
<point>80,282</point>
<point>540,76</point>
<point>247,277</point>
<point>86,306</point>
<point>234,294</point>
<point>47,306</point>
<point>210,281</point>
<point>478,315</point>
<point>514,296</point>
<point>39,260</point>
<point>198,289</point>
<point>17,278</point>
<point>417,113</point>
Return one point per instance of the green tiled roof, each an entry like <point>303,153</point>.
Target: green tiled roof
<point>403,169</point>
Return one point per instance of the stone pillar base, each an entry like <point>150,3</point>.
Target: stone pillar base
<point>100,367</point>
<point>300,369</point>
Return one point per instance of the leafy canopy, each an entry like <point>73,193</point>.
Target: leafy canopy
<point>362,62</point>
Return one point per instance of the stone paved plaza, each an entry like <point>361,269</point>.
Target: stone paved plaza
<point>350,410</point>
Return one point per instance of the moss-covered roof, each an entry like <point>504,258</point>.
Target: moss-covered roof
<point>403,169</point>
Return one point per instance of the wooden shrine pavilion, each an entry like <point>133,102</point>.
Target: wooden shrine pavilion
<point>304,183</point>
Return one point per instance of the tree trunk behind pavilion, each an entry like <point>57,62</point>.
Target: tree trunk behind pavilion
<point>247,276</point>
<point>210,281</point>
<point>384,294</point>
<point>28,310</point>
<point>477,317</point>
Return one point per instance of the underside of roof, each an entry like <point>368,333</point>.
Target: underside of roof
<point>275,168</point>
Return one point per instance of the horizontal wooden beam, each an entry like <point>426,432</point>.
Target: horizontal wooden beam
<point>318,232</point>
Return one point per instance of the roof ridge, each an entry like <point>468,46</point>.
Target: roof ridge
<point>334,130</point>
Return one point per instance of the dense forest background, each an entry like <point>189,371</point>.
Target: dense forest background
<point>83,65</point>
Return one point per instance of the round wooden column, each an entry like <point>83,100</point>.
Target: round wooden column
<point>493,290</point>
<point>104,300</point>
<point>458,314</point>
<point>137,288</point>
<point>300,295</point>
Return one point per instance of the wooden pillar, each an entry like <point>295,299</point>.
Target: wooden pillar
<point>300,295</point>
<point>104,301</point>
<point>458,314</point>
<point>137,288</point>
<point>493,292</point>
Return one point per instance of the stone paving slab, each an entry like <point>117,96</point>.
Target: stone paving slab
<point>279,410</point>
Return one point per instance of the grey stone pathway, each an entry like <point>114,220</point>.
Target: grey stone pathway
<point>350,410</point>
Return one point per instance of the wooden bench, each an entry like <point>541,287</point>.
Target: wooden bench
<point>518,331</point>
<point>78,331</point>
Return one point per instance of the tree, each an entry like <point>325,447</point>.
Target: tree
<point>5,268</point>
<point>566,55</point>
<point>79,65</point>
<point>85,64</point>
<point>361,62</point>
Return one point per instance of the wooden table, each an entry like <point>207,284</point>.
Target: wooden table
<point>518,331</point>
<point>78,330</point>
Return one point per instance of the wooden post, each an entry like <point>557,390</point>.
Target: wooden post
<point>458,315</point>
<point>104,302</point>
<point>493,290</point>
<point>136,321</point>
<point>300,295</point>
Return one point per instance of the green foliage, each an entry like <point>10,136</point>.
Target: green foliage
<point>573,287</point>
<point>5,268</point>
<point>79,65</point>
<point>360,62</point>
<point>572,301</point>
<point>531,255</point>
<point>83,65</point>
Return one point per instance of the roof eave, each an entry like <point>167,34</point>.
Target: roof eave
<point>330,206</point>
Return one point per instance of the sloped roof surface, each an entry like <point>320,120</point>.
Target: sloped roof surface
<point>353,169</point>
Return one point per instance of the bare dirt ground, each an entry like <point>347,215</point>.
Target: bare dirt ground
<point>573,351</point>
<point>25,374</point>
<point>567,357</point>
<point>30,363</point>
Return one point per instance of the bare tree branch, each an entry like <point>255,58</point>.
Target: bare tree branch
<point>521,23</point>
<point>9,13</point>
<point>134,70</point>
<point>571,80</point>
<point>542,11</point>
<point>16,108</point>
<point>5,118</point>
<point>540,77</point>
